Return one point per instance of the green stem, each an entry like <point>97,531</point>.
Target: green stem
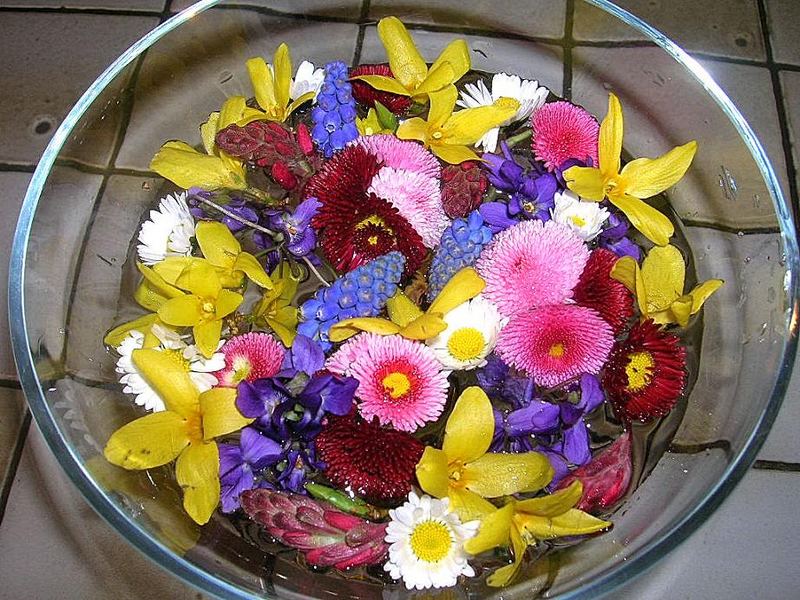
<point>260,196</point>
<point>313,269</point>
<point>236,217</point>
<point>520,137</point>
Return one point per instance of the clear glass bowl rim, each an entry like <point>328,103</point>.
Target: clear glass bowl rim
<point>205,581</point>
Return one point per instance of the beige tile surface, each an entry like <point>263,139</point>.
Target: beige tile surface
<point>12,415</point>
<point>730,28</point>
<point>347,9</point>
<point>131,5</point>
<point>790,82</point>
<point>782,19</point>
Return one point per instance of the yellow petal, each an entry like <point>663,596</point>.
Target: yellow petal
<point>553,504</point>
<point>405,61</point>
<point>442,77</point>
<point>170,268</point>
<point>148,442</point>
<point>119,333</point>
<point>262,82</point>
<point>453,155</point>
<point>208,132</point>
<point>504,575</point>
<point>220,415</point>
<point>282,68</point>
<point>645,177</point>
<point>182,312</point>
<point>227,302</point>
<point>433,472</point>
<point>609,146</point>
<point>654,225</point>
<point>468,505</point>
<point>217,243</point>
<point>413,129</point>
<point>298,102</point>
<point>587,182</point>
<point>442,104</point>
<point>624,271</point>
<point>456,54</point>
<point>470,427</point>
<point>701,292</point>
<point>232,111</point>
<point>425,327</point>
<point>495,531</point>
<point>571,522</point>
<point>402,309</point>
<point>678,312</point>
<point>384,84</point>
<point>284,324</point>
<point>494,475</point>
<point>207,335</point>
<point>467,126</point>
<point>169,378</point>
<point>349,327</point>
<point>200,278</point>
<point>463,286</point>
<point>663,271</point>
<point>249,265</point>
<point>186,167</point>
<point>197,472</point>
<point>157,282</point>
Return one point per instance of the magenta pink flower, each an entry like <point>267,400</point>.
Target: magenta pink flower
<point>532,264</point>
<point>401,154</point>
<point>249,357</point>
<point>562,131</point>
<point>400,381</point>
<point>554,344</point>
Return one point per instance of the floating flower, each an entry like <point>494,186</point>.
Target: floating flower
<point>249,357</point>
<point>240,463</point>
<point>367,95</point>
<point>658,286</point>
<point>556,343</point>
<point>275,310</point>
<point>427,543</point>
<point>449,134</point>
<point>463,188</point>
<point>272,85</point>
<point>532,264</point>
<point>465,473</point>
<point>368,460</point>
<point>640,178</point>
<point>563,131</point>
<point>335,114</point>
<point>584,218</point>
<point>614,237</point>
<point>296,226</point>
<point>598,291</point>
<point>530,96</point>
<point>400,381</point>
<point>185,430</point>
<point>168,232</point>
<point>471,334</point>
<point>411,75</point>
<point>307,79</point>
<point>646,373</point>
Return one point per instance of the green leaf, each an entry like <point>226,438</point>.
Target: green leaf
<point>386,117</point>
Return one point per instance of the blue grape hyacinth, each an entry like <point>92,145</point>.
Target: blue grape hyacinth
<point>335,113</point>
<point>460,247</point>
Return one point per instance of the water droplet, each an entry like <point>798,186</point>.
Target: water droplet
<point>747,259</point>
<point>146,186</point>
<point>740,233</point>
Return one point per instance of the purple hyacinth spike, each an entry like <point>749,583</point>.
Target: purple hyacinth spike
<point>335,114</point>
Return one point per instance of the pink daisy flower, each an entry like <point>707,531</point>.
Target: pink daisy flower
<point>400,381</point>
<point>401,154</point>
<point>532,264</point>
<point>249,357</point>
<point>562,131</point>
<point>554,344</point>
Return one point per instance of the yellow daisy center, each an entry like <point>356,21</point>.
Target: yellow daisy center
<point>556,350</point>
<point>241,369</point>
<point>176,356</point>
<point>578,221</point>
<point>397,384</point>
<point>431,541</point>
<point>466,343</point>
<point>639,370</point>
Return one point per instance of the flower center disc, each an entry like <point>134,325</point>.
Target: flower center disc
<point>556,350</point>
<point>397,384</point>
<point>177,357</point>
<point>639,370</point>
<point>578,221</point>
<point>466,343</point>
<point>431,541</point>
<point>241,369</point>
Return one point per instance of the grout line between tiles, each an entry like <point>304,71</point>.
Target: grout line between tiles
<point>698,448</point>
<point>567,43</point>
<point>13,463</point>
<point>10,384</point>
<point>776,465</point>
<point>729,229</point>
<point>361,29</point>
<point>16,168</point>
<point>63,10</point>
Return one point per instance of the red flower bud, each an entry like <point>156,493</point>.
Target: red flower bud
<point>304,139</point>
<point>283,176</point>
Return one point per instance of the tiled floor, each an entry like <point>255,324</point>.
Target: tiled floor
<point>53,49</point>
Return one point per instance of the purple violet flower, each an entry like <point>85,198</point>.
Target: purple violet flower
<point>305,356</point>
<point>239,465</point>
<point>614,237</point>
<point>296,226</point>
<point>238,206</point>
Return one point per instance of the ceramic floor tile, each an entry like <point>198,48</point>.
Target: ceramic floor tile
<point>729,28</point>
<point>663,107</point>
<point>733,555</point>
<point>12,192</point>
<point>782,16</point>
<point>790,82</point>
<point>170,103</point>
<point>537,18</point>
<point>783,444</point>
<point>51,530</point>
<point>128,5</point>
<point>12,414</point>
<point>64,54</point>
<point>527,59</point>
<point>343,9</point>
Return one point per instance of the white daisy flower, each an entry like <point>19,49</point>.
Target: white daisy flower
<point>427,543</point>
<point>584,218</point>
<point>307,79</point>
<point>471,334</point>
<point>200,368</point>
<point>530,94</point>
<point>168,232</point>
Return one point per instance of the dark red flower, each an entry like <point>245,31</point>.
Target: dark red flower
<point>366,459</point>
<point>355,226</point>
<point>645,374</point>
<point>283,176</point>
<point>463,187</point>
<point>366,94</point>
<point>596,289</point>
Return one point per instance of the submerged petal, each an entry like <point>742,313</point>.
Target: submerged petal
<point>570,522</point>
<point>503,575</point>
<point>197,472</point>
<point>220,415</point>
<point>148,442</point>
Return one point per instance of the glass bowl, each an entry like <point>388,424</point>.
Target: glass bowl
<point>92,188</point>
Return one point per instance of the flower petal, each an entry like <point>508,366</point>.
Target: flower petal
<point>553,504</point>
<point>227,302</point>
<point>217,243</point>
<point>454,155</point>
<point>282,69</point>
<point>503,575</point>
<point>494,475</point>
<point>456,54</point>
<point>262,82</point>
<point>405,61</point>
<point>587,182</point>
<point>402,310</point>
<point>470,427</point>
<point>678,312</point>
<point>119,333</point>
<point>443,102</point>
<point>701,292</point>
<point>645,177</point>
<point>207,335</point>
<point>495,531</point>
<point>432,472</point>
<point>609,146</point>
<point>654,225</point>
<point>186,167</point>
<point>571,522</point>
<point>197,472</point>
<point>169,379</point>
<point>413,129</point>
<point>249,265</point>
<point>663,272</point>
<point>440,77</point>
<point>425,327</point>
<point>182,311</point>
<point>307,97</point>
<point>147,442</point>
<point>468,505</point>
<point>220,415</point>
<point>463,286</point>
<point>384,84</point>
<point>208,132</point>
<point>349,327</point>
<point>200,277</point>
<point>466,127</point>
